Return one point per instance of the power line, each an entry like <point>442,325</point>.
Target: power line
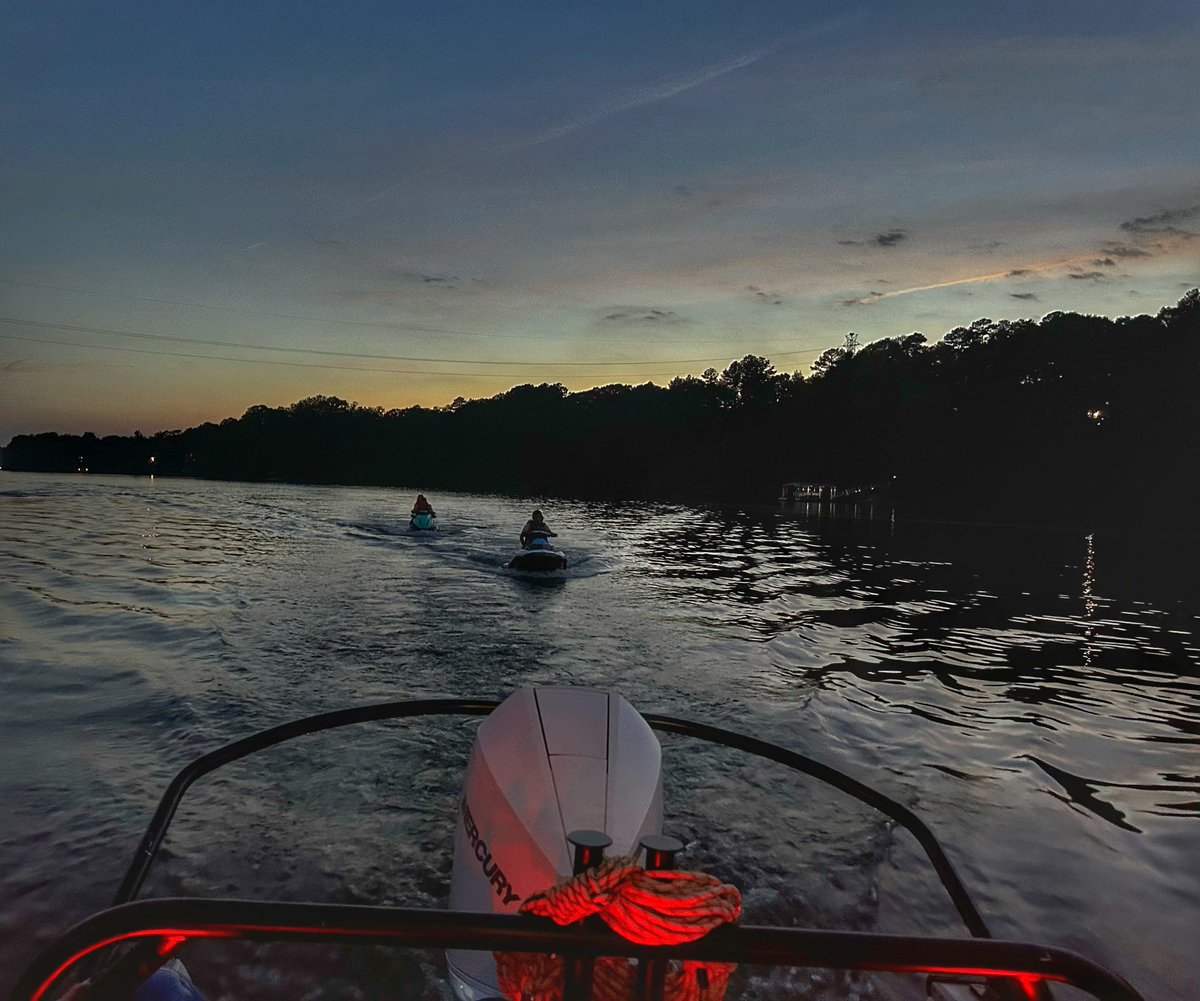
<point>299,364</point>
<point>19,321</point>
<point>227,358</point>
<point>367,324</point>
<point>415,327</point>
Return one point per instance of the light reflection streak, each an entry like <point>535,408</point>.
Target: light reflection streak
<point>1089,598</point>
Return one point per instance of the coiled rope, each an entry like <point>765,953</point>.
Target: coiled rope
<point>648,907</point>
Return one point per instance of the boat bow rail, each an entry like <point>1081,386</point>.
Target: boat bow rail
<point>157,926</point>
<point>167,922</point>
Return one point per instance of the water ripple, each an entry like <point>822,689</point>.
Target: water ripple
<point>1034,695</point>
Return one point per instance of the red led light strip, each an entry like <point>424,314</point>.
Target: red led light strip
<point>174,937</point>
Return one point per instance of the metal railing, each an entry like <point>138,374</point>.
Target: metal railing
<point>1020,969</point>
<point>171,920</point>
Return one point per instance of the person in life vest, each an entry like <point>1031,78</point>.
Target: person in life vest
<point>535,528</point>
<point>422,506</point>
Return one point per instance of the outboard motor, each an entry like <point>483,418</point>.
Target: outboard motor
<point>546,762</point>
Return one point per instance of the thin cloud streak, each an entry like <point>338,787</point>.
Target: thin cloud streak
<point>878,296</point>
<point>670,86</point>
<point>659,91</point>
<point>1025,271</point>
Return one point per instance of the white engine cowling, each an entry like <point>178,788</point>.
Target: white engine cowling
<point>546,761</point>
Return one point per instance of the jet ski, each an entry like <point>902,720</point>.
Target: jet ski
<point>538,556</point>
<point>423,522</point>
<point>544,761</point>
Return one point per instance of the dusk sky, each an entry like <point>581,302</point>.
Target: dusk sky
<point>209,206</point>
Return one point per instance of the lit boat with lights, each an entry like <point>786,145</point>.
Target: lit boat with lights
<point>556,777</point>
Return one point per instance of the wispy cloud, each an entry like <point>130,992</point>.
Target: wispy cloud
<point>432,280</point>
<point>888,239</point>
<point>1120,250</point>
<point>659,90</point>
<point>1164,222</point>
<point>644,315</point>
<point>764,297</point>
<point>1165,225</point>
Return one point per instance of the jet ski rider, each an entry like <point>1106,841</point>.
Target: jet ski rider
<point>422,506</point>
<point>535,527</point>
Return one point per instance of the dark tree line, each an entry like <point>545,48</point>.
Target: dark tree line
<point>1070,414</point>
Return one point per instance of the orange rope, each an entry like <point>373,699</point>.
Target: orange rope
<point>535,976</point>
<point>655,907</point>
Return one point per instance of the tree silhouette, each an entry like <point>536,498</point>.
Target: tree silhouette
<point>1069,416</point>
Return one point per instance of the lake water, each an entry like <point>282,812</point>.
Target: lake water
<point>1031,693</point>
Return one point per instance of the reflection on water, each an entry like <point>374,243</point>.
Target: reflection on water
<point>1089,600</point>
<point>1083,793</point>
<point>993,607</point>
<point>1031,693</point>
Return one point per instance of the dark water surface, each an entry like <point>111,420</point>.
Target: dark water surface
<point>1031,693</point>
